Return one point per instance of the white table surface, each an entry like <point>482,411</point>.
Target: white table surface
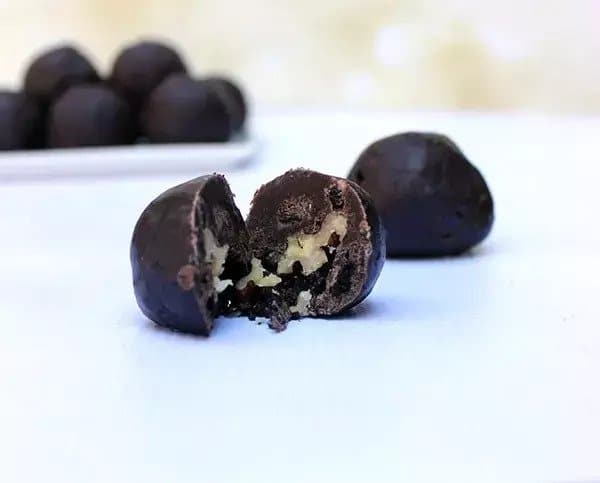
<point>479,368</point>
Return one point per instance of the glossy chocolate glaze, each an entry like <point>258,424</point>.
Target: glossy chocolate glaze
<point>432,200</point>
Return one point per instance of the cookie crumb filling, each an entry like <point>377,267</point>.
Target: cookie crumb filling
<point>302,271</point>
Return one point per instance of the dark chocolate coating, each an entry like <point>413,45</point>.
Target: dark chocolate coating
<point>235,100</point>
<point>90,115</point>
<point>377,240</point>
<point>21,121</point>
<point>432,200</point>
<point>139,68</point>
<point>298,202</point>
<point>173,283</point>
<point>54,71</point>
<point>183,110</point>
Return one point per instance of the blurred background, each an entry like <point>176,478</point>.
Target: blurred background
<point>526,55</point>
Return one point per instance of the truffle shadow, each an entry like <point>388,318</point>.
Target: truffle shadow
<point>158,329</point>
<point>478,251</point>
<point>396,310</point>
<point>362,310</point>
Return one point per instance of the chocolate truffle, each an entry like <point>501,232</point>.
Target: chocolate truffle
<point>139,68</point>
<point>189,246</point>
<point>432,200</point>
<point>21,121</point>
<point>183,110</point>
<point>90,115</point>
<point>317,245</point>
<point>313,245</point>
<point>55,71</point>
<point>235,100</point>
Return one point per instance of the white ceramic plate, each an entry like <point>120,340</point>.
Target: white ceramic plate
<point>127,160</point>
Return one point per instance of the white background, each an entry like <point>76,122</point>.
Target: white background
<point>473,369</point>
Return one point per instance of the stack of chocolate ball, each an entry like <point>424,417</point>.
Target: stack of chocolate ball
<point>148,96</point>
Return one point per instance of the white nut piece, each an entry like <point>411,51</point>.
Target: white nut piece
<point>258,277</point>
<point>301,307</point>
<point>216,256</point>
<point>307,249</point>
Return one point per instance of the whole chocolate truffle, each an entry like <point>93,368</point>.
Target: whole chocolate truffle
<point>317,245</point>
<point>140,67</point>
<point>235,99</point>
<point>21,121</point>
<point>188,247</point>
<point>183,110</point>
<point>55,71</point>
<point>431,199</point>
<point>90,115</point>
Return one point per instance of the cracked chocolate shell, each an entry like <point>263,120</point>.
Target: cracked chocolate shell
<point>189,247</point>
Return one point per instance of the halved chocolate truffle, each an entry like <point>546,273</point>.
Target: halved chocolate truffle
<point>432,200</point>
<point>189,246</point>
<point>21,121</point>
<point>314,247</point>
<point>317,245</point>
<point>90,115</point>
<point>182,109</point>
<point>140,67</point>
<point>54,71</point>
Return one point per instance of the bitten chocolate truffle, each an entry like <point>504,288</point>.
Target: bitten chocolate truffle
<point>182,109</point>
<point>432,200</point>
<point>140,67</point>
<point>313,245</point>
<point>317,245</point>
<point>21,121</point>
<point>235,100</point>
<point>90,115</point>
<point>188,247</point>
<point>54,71</point>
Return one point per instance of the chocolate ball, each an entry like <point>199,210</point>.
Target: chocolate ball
<point>234,97</point>
<point>184,110</point>
<point>432,200</point>
<point>90,115</point>
<point>21,121</point>
<point>189,247</point>
<point>54,71</point>
<point>140,67</point>
<point>321,238</point>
